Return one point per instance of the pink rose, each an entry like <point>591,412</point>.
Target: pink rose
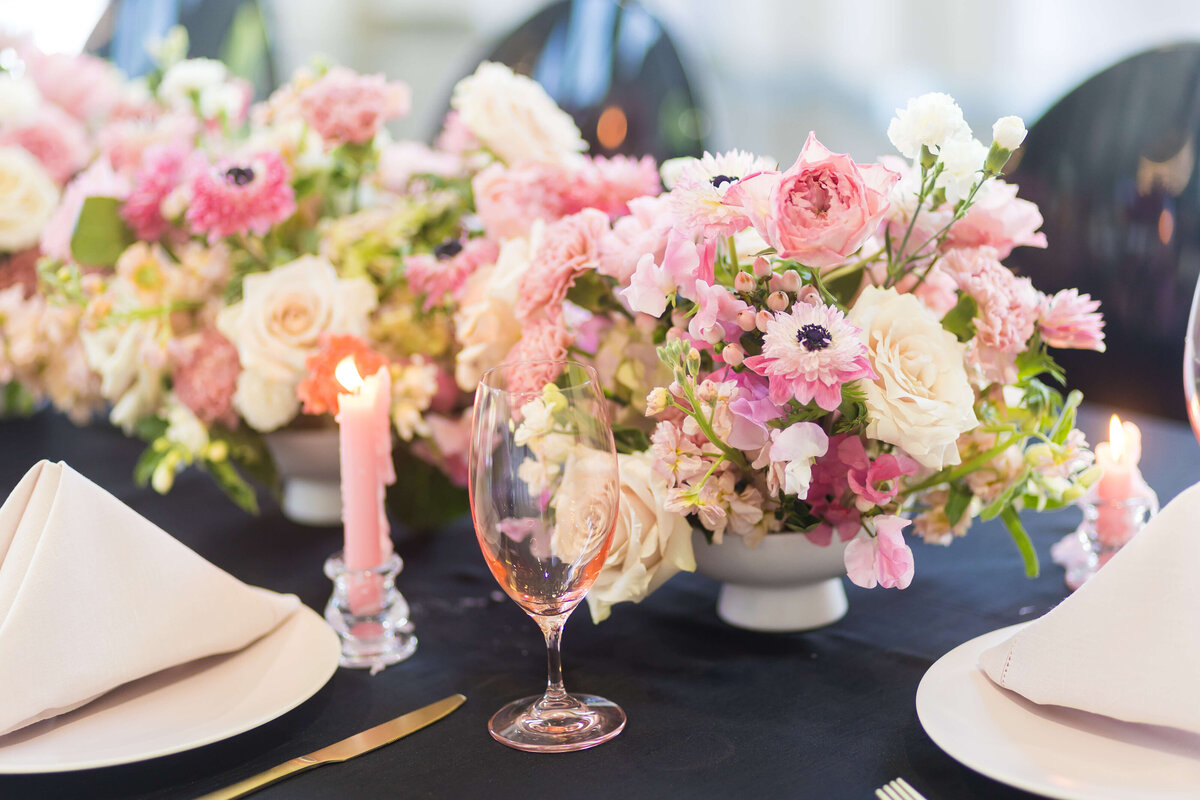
<point>821,210</point>
<point>54,138</point>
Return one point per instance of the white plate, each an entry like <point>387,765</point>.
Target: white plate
<point>188,706</point>
<point>1049,750</point>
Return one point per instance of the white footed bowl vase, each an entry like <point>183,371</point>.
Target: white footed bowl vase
<point>786,583</point>
<point>309,471</point>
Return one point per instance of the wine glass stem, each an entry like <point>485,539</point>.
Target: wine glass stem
<point>552,627</point>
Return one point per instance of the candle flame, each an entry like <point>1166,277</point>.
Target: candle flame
<point>1116,437</point>
<point>346,373</point>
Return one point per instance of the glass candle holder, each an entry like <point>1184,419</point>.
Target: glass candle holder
<point>369,614</point>
<point>1107,526</point>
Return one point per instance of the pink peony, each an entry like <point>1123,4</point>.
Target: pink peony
<point>55,139</point>
<point>883,559</point>
<point>643,231</point>
<point>821,210</point>
<point>98,180</point>
<point>998,219</point>
<point>1069,319</point>
<point>347,108</point>
<point>443,274</point>
<point>164,168</point>
<point>569,247</point>
<point>543,343</point>
<point>509,199</point>
<point>243,196</point>
<point>808,353</point>
<point>205,376</point>
<point>608,184</point>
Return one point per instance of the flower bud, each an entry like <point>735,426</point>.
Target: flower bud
<point>762,267</point>
<point>776,283</point>
<point>762,319</point>
<point>733,355</point>
<point>745,319</point>
<point>656,401</point>
<point>679,318</point>
<point>777,301</point>
<point>693,360</point>
<point>744,282</point>
<point>1009,133</point>
<point>791,281</point>
<point>216,451</point>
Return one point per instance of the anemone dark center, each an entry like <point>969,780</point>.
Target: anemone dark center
<point>448,249</point>
<point>813,337</point>
<point>722,180</point>
<point>239,176</point>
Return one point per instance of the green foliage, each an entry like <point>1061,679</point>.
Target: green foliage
<point>101,235</point>
<point>1012,522</point>
<point>959,499</point>
<point>422,496</point>
<point>960,319</point>
<point>630,440</point>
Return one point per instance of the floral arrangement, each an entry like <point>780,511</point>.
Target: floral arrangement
<point>835,348</point>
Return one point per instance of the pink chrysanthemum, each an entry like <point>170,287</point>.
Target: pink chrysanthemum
<point>205,376</point>
<point>808,353</point>
<point>569,248</point>
<point>54,138</point>
<point>162,170</point>
<point>610,183</point>
<point>241,196</point>
<point>345,107</point>
<point>444,272</point>
<point>1071,320</point>
<point>697,198</point>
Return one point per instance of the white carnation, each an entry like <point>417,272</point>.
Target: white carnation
<point>514,117</point>
<point>963,161</point>
<point>930,120</point>
<point>28,198</point>
<point>1009,132</point>
<point>19,98</point>
<point>186,81</point>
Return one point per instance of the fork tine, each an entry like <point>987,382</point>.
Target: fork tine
<point>907,792</point>
<point>891,792</point>
<point>879,794</point>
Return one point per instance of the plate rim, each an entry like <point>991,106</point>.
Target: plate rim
<point>302,617</point>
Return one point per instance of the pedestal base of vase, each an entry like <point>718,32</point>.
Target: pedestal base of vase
<point>312,502</point>
<point>309,473</point>
<point>786,583</point>
<point>369,615</point>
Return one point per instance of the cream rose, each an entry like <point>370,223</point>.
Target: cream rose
<point>515,118</point>
<point>650,544</point>
<point>922,400</point>
<point>27,199</point>
<point>264,403</point>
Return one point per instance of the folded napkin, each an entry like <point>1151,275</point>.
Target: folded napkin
<point>93,595</point>
<point>1127,643</point>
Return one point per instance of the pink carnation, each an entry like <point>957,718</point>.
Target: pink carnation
<point>345,107</point>
<point>55,139</point>
<point>399,163</point>
<point>163,169</point>
<point>509,199</point>
<point>243,196</point>
<point>998,219</point>
<point>569,247</point>
<point>608,184</point>
<point>1069,319</point>
<point>883,559</point>
<point>98,180</point>
<point>456,137</point>
<point>643,231</point>
<point>1007,308</point>
<point>443,273</point>
<point>543,343</point>
<point>205,376</point>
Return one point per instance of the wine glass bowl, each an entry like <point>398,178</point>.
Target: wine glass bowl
<point>544,492</point>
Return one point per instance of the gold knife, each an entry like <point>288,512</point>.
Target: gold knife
<point>356,745</point>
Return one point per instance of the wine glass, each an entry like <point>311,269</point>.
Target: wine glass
<point>544,493</point>
<point>1191,360</point>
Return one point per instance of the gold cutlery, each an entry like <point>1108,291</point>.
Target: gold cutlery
<point>899,789</point>
<point>346,749</point>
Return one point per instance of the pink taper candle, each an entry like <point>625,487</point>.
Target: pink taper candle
<point>366,461</point>
<point>1118,458</point>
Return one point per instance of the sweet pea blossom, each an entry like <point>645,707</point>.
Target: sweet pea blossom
<point>649,287</point>
<point>883,559</point>
<point>794,448</point>
<point>717,306</point>
<point>808,353</point>
<point>821,210</point>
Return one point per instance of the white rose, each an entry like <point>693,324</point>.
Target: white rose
<point>189,79</point>
<point>515,118</point>
<point>930,120</point>
<point>1008,132</point>
<point>284,311</point>
<point>649,545</point>
<point>922,400</point>
<point>19,98</point>
<point>28,197</point>
<point>264,403</point>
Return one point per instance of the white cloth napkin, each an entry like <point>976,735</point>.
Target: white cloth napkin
<point>93,595</point>
<point>1127,643</point>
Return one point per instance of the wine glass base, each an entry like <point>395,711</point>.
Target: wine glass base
<point>576,722</point>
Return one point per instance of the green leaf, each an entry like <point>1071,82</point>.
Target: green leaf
<point>1005,499</point>
<point>959,320</point>
<point>147,462</point>
<point>1012,521</point>
<point>233,484</point>
<point>150,428</point>
<point>844,288</point>
<point>630,440</point>
<point>1036,361</point>
<point>957,502</point>
<point>100,234</point>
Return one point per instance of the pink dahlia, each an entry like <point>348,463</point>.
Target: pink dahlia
<point>345,107</point>
<point>205,376</point>
<point>241,196</point>
<point>1069,319</point>
<point>808,353</point>
<point>162,170</point>
<point>54,138</point>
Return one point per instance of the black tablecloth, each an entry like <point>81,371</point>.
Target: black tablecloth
<point>713,711</point>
